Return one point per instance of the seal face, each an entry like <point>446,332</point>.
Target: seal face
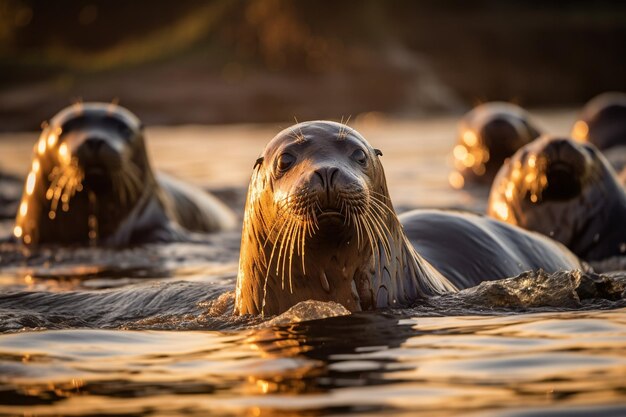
<point>91,181</point>
<point>565,190</point>
<point>487,135</point>
<point>602,122</point>
<point>319,224</point>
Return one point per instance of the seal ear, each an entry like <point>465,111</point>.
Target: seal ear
<point>378,152</point>
<point>258,162</point>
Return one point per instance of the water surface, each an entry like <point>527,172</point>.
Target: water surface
<point>149,330</point>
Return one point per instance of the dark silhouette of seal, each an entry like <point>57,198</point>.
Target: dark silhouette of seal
<point>319,224</point>
<point>487,135</point>
<point>602,122</point>
<point>91,182</point>
<point>566,190</point>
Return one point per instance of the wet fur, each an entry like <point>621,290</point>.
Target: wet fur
<point>591,224</point>
<point>364,260</point>
<point>140,207</point>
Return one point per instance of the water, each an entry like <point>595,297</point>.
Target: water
<point>149,330</point>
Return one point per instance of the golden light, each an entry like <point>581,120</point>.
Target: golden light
<point>52,139</point>
<point>41,146</point>
<point>502,210</point>
<point>23,208</point>
<point>533,198</point>
<point>479,169</point>
<point>36,165</point>
<point>17,231</point>
<point>27,239</point>
<point>580,131</point>
<point>64,152</point>
<point>469,160</point>
<point>470,138</point>
<point>263,385</point>
<point>459,152</point>
<point>532,161</point>
<point>30,182</point>
<point>456,180</point>
<point>510,187</point>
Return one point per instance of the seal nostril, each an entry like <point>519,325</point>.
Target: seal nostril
<point>322,177</point>
<point>94,144</point>
<point>332,175</point>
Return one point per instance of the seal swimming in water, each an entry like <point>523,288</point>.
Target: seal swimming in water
<point>91,181</point>
<point>319,224</point>
<point>487,135</point>
<point>602,122</point>
<point>566,190</point>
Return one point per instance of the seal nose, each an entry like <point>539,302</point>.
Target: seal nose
<point>93,145</point>
<point>96,150</point>
<point>327,176</point>
<point>563,150</point>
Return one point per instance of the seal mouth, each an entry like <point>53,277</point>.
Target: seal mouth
<point>563,182</point>
<point>98,179</point>
<point>330,217</point>
<point>325,214</point>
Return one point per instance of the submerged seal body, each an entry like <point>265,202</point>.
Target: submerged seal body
<point>487,135</point>
<point>602,122</point>
<point>319,224</point>
<point>566,190</point>
<point>91,181</point>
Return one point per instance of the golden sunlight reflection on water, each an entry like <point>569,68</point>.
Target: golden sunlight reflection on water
<point>364,364</point>
<point>429,366</point>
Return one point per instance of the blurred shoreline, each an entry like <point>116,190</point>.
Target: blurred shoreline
<point>235,61</point>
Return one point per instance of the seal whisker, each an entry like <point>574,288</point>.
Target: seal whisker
<point>373,242</point>
<point>292,240</point>
<point>280,215</point>
<point>282,252</point>
<point>288,247</point>
<point>302,243</point>
<point>379,226</point>
<point>381,209</point>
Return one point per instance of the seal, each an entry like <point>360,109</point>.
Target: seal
<point>91,182</point>
<point>602,122</point>
<point>319,224</point>
<point>487,135</point>
<point>566,190</point>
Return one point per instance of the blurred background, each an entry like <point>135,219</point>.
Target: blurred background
<point>234,61</point>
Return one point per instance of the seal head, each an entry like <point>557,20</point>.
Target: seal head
<point>488,135</point>
<point>91,182</point>
<point>319,225</point>
<point>566,190</point>
<point>602,121</point>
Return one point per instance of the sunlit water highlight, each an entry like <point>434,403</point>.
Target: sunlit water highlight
<point>149,330</point>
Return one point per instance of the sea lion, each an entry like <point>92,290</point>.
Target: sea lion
<point>91,182</point>
<point>566,190</point>
<point>487,135</point>
<point>319,224</point>
<point>602,122</point>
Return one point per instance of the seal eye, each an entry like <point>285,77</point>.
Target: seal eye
<point>285,161</point>
<point>360,156</point>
